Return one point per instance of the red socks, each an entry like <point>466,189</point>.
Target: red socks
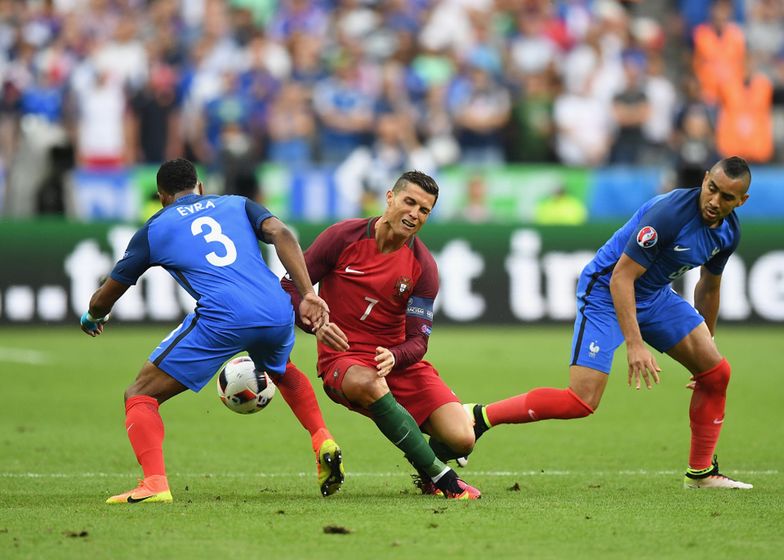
<point>298,394</point>
<point>543,403</point>
<point>145,431</point>
<point>706,413</point>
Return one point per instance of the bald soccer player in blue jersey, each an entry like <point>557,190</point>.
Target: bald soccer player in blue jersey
<point>624,294</point>
<point>209,244</point>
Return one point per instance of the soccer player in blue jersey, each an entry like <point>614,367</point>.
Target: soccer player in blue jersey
<point>209,244</point>
<point>624,293</point>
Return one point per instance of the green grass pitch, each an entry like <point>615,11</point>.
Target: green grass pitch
<point>608,486</point>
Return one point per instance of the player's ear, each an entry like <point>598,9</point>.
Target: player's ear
<point>200,188</point>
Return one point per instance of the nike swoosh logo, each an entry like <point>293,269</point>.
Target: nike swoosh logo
<point>132,500</point>
<point>716,421</point>
<point>404,437</point>
<point>353,270</point>
<point>679,248</point>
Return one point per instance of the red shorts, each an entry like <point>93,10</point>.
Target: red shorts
<point>418,388</point>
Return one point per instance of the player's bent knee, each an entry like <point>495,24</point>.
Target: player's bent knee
<point>580,406</point>
<point>715,380</point>
<point>364,386</point>
<point>463,444</point>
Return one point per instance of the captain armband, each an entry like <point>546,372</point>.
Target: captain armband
<point>421,308</point>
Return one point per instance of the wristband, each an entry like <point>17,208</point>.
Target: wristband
<point>91,323</point>
<point>92,319</point>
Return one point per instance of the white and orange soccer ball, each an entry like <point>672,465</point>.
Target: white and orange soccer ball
<point>243,389</point>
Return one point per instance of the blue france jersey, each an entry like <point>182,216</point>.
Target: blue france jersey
<point>209,244</point>
<point>668,237</point>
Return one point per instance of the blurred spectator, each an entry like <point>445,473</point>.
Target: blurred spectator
<point>436,128</point>
<point>266,57</point>
<point>582,124</point>
<point>480,107</point>
<point>394,95</point>
<point>124,58</point>
<point>765,31</point>
<point>631,110</point>
<point>298,17</point>
<point>476,209</point>
<point>102,126</point>
<point>662,99</point>
<point>695,12</point>
<point>232,130</point>
<point>291,128</point>
<point>344,109</point>
<point>597,62</point>
<point>778,106</point>
<point>560,208</point>
<point>531,127</point>
<point>448,26</point>
<point>155,132</point>
<point>532,50</point>
<point>745,125</point>
<point>694,145</point>
<point>365,176</point>
<point>719,51</point>
<point>307,67</point>
<point>51,192</point>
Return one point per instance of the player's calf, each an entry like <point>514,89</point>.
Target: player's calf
<point>706,414</point>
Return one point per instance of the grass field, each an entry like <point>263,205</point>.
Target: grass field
<point>608,486</point>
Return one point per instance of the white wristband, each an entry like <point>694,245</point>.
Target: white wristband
<point>97,319</point>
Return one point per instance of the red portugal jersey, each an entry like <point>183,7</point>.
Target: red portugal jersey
<point>377,299</point>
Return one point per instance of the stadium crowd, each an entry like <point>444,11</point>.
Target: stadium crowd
<point>382,86</point>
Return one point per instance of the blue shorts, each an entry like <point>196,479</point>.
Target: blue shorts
<point>197,348</point>
<point>664,320</point>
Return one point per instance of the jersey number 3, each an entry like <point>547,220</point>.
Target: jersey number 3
<point>215,234</point>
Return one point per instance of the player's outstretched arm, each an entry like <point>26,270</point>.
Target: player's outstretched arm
<point>312,309</point>
<point>101,304</point>
<point>641,362</point>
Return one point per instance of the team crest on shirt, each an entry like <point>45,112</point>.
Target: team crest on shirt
<point>403,287</point>
<point>647,237</point>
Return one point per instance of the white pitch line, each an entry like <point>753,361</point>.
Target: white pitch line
<point>23,356</point>
<point>581,473</point>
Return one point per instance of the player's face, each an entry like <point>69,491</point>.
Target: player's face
<point>720,195</point>
<point>408,209</point>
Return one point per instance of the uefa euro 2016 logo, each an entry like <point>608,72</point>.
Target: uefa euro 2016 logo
<point>647,237</point>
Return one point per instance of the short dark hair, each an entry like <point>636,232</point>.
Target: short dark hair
<point>735,167</point>
<point>176,175</point>
<point>422,180</point>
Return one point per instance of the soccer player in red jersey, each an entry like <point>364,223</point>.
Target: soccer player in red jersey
<point>380,282</point>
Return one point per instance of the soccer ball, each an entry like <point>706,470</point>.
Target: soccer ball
<point>243,389</point>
